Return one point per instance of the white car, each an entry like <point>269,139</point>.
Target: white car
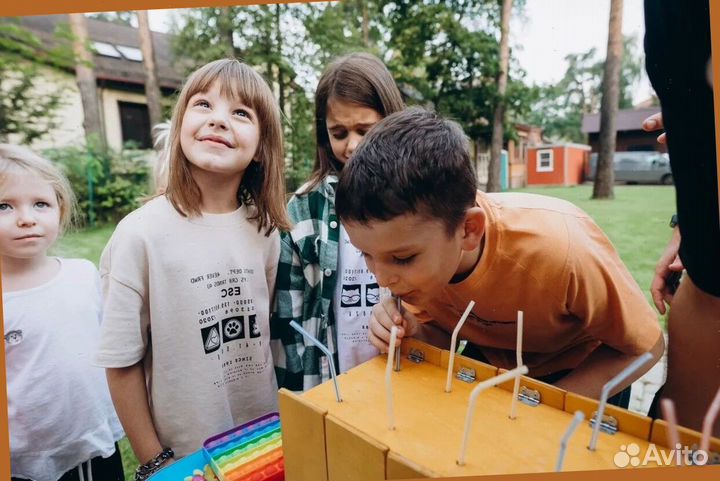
<point>636,168</point>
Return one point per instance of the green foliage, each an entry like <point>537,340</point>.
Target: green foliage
<point>108,184</point>
<point>443,54</point>
<point>28,111</point>
<point>560,107</point>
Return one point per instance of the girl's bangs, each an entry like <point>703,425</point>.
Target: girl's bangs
<point>238,82</point>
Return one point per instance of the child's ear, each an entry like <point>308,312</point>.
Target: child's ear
<point>474,228</point>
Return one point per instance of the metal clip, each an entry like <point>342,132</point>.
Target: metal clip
<point>466,374</point>
<point>416,355</point>
<point>528,396</point>
<point>608,425</point>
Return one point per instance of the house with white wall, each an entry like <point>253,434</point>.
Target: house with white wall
<point>120,77</point>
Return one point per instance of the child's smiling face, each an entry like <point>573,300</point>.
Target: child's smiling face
<point>218,134</point>
<point>29,216</point>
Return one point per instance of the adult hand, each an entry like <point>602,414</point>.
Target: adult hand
<point>669,262</point>
<point>654,123</point>
<point>384,316</point>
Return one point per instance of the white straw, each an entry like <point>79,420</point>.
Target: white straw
<point>327,353</point>
<point>388,379</point>
<point>709,421</point>
<point>493,381</point>
<point>668,411</point>
<point>518,356</point>
<point>609,386</point>
<point>576,420</point>
<point>453,345</point>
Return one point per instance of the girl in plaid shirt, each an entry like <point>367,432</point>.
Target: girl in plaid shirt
<point>323,283</point>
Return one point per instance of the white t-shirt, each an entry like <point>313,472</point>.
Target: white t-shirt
<point>190,298</point>
<point>59,408</point>
<point>356,292</point>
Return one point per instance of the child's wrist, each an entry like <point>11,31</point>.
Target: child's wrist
<point>144,471</point>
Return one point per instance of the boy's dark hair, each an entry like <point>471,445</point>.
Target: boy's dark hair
<point>411,162</point>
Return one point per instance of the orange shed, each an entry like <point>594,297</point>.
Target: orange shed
<point>560,164</point>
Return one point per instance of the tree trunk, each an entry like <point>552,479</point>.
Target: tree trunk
<point>365,23</point>
<point>493,184</point>
<point>85,77</point>
<point>152,89</point>
<point>605,176</point>
<point>225,29</point>
<point>278,44</point>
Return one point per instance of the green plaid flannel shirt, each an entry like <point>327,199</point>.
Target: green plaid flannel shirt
<point>305,287</point>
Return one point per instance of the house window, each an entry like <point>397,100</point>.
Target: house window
<point>130,53</point>
<point>545,160</point>
<point>106,50</point>
<point>135,124</point>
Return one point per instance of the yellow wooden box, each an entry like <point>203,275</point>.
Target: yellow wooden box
<point>350,440</point>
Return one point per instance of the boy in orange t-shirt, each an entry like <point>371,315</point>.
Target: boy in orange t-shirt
<point>409,201</point>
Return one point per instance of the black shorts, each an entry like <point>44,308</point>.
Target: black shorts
<point>677,49</point>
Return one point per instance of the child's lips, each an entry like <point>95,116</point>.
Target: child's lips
<point>29,237</point>
<point>216,139</point>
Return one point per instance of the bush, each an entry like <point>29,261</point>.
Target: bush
<point>108,184</point>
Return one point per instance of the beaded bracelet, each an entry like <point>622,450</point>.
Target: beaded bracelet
<point>145,470</point>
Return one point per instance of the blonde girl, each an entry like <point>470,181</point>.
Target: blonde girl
<point>189,276</point>
<point>62,422</point>
<point>323,282</point>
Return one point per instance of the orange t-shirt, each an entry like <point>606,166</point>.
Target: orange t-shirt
<point>548,258</point>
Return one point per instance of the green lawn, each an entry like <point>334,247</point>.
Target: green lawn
<point>85,244</point>
<point>636,221</point>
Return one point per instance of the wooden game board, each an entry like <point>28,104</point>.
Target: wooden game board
<point>327,440</point>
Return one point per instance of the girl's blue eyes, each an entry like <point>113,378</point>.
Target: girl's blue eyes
<point>38,205</point>
<point>240,112</point>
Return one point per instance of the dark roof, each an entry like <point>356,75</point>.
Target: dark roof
<point>109,68</point>
<point>627,119</point>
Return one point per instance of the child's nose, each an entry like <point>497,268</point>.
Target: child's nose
<point>385,276</point>
<point>353,142</point>
<point>218,120</point>
<point>25,218</point>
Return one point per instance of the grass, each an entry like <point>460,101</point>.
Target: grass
<point>84,244</point>
<point>636,222</point>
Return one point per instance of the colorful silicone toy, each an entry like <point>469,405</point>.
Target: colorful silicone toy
<point>249,452</point>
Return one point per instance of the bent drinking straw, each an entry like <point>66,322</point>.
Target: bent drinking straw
<point>576,420</point>
<point>609,386</point>
<point>493,381</point>
<point>453,344</point>
<point>388,377</point>
<point>518,356</point>
<point>325,350</point>
<point>709,421</point>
